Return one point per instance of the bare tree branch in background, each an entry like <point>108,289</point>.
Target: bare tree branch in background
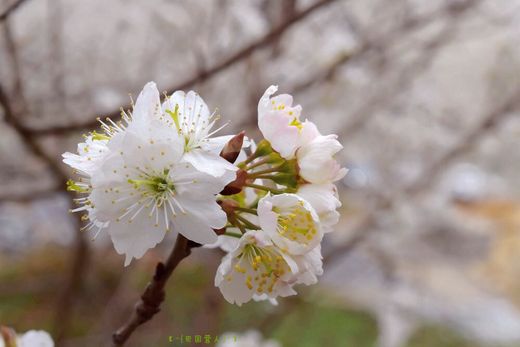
<point>12,52</point>
<point>13,113</point>
<point>453,10</point>
<point>11,9</point>
<point>56,63</point>
<point>32,195</point>
<point>13,120</point>
<point>381,97</point>
<point>201,76</point>
<point>488,124</point>
<point>80,251</point>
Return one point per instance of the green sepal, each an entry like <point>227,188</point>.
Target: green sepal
<point>286,179</point>
<point>289,167</point>
<point>263,148</point>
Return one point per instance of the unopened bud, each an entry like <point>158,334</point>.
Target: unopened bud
<point>237,185</point>
<point>232,149</point>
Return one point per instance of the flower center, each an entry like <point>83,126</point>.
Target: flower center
<point>297,224</point>
<point>267,265</point>
<point>158,186</point>
<point>289,113</point>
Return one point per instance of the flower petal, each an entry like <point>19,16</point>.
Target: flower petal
<point>134,241</point>
<point>208,162</point>
<point>148,103</point>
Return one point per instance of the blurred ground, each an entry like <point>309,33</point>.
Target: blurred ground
<point>28,297</point>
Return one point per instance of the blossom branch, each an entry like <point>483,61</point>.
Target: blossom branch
<point>154,293</point>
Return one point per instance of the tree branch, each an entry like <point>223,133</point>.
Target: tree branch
<point>488,124</point>
<point>202,75</point>
<point>29,196</point>
<point>154,294</point>
<point>11,9</point>
<point>81,250</point>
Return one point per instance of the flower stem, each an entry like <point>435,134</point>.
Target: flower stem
<point>258,163</point>
<point>231,234</point>
<point>266,171</point>
<point>249,159</point>
<point>265,177</point>
<point>237,223</point>
<point>267,189</point>
<point>246,209</point>
<point>247,223</point>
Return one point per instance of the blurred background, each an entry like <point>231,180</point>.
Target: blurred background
<point>424,95</point>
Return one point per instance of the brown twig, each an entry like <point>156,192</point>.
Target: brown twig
<point>365,112</point>
<point>11,9</point>
<point>29,196</point>
<point>80,252</point>
<point>488,124</point>
<point>154,293</point>
<point>202,75</point>
<point>10,116</point>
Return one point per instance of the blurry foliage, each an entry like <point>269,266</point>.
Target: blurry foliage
<point>29,291</point>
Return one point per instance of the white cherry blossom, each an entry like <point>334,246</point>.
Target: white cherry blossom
<point>324,199</point>
<point>144,190</point>
<point>290,222</point>
<point>189,115</point>
<point>279,122</point>
<point>316,160</point>
<point>256,267</point>
<point>141,186</point>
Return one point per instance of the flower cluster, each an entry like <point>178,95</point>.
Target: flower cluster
<point>288,202</point>
<point>32,338</point>
<point>155,171</point>
<point>160,169</point>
